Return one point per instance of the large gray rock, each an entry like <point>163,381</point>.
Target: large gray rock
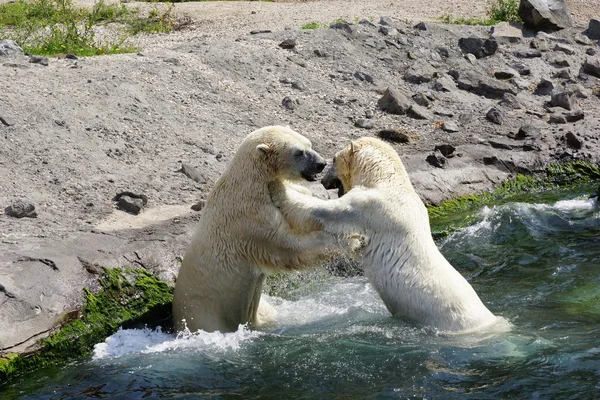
<point>593,30</point>
<point>394,102</point>
<point>482,85</point>
<point>419,72</point>
<point>545,14</point>
<point>592,66</point>
<point>477,46</point>
<point>10,48</point>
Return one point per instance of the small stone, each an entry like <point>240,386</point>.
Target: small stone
<point>342,26</point>
<point>362,76</point>
<point>199,205</point>
<point>130,204</point>
<point>417,112</point>
<point>539,44</point>
<point>320,53</point>
<point>369,113</point>
<point>507,73</point>
<point>6,121</point>
<point>471,58</point>
<point>394,135</point>
<point>388,30</point>
<point>394,102</point>
<point>582,39</point>
<point>495,115</point>
<point>364,123</point>
<point>443,51</point>
<point>521,84</point>
<point>531,53</point>
<point>559,62</point>
<point>288,103</point>
<point>564,48</point>
<point>574,116</point>
<point>71,57</point>
<point>421,26</point>
<point>437,160</point>
<point>593,30</point>
<point>477,46</point>
<point>544,87</point>
<point>449,126</point>
<point>366,22</point>
<point>557,119</point>
<point>386,21</point>
<point>563,74</point>
<point>447,150</point>
<point>444,83</point>
<point>297,60</point>
<point>573,141</point>
<point>421,99</point>
<point>419,72</point>
<point>528,131</point>
<point>21,209</point>
<point>592,66</point>
<point>522,69</point>
<point>411,55</point>
<point>288,44</point>
<point>560,98</point>
<point>510,101</point>
<point>38,60</point>
<point>259,31</point>
<point>591,52</point>
<point>298,85</point>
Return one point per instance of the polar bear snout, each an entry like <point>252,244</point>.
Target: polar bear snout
<point>332,181</point>
<point>313,164</point>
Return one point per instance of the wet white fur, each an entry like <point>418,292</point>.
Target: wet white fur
<point>242,236</point>
<point>400,258</point>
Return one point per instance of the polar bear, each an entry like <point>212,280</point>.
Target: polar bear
<point>242,236</point>
<point>400,258</point>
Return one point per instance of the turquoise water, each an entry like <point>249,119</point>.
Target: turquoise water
<point>538,265</point>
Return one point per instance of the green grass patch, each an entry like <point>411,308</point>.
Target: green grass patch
<point>311,25</point>
<point>57,27</point>
<point>460,212</point>
<point>496,11</point>
<point>127,297</point>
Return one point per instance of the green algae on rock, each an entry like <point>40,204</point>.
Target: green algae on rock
<point>126,297</point>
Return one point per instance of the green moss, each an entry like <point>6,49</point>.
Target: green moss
<point>457,213</point>
<point>127,297</point>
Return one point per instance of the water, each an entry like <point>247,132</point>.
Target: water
<point>535,264</point>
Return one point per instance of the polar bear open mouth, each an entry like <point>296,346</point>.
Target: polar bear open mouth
<point>334,183</point>
<point>308,177</point>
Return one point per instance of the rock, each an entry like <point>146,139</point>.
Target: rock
<point>510,101</point>
<point>563,74</point>
<point>447,150</point>
<point>545,14</point>
<point>259,31</point>
<point>564,48</point>
<point>443,83</point>
<point>521,84</point>
<point>388,30</point>
<point>6,121</point>
<point>477,46</point>
<point>506,33</point>
<point>572,141</point>
<point>394,102</point>
<point>10,48</point>
<point>364,123</point>
<point>394,135</point>
<point>544,87</point>
<point>366,22</point>
<point>522,69</point>
<point>471,58</point>
<point>385,21</point>
<point>369,113</point>
<point>498,144</point>
<point>443,51</point>
<point>21,209</point>
<point>591,52</point>
<point>362,76</point>
<point>130,202</point>
<point>574,116</point>
<point>530,53</point>
<point>506,73</point>
<point>527,131</point>
<point>579,91</point>
<point>437,160</point>
<point>557,119</point>
<point>417,112</point>
<point>299,85</point>
<point>288,44</point>
<point>38,60</point>
<point>482,85</point>
<point>419,72</point>
<point>593,29</point>
<point>421,26</point>
<point>449,126</point>
<point>582,39</point>
<point>342,26</point>
<point>199,205</point>
<point>559,61</point>
<point>495,115</point>
<point>592,66</point>
<point>560,98</point>
<point>297,60</point>
<point>289,103</point>
<point>320,53</point>
<point>540,44</point>
<point>421,99</point>
<point>192,173</point>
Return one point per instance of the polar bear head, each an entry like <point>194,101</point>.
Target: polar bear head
<point>365,161</point>
<point>284,154</point>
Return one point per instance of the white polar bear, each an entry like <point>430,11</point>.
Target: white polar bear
<point>242,236</point>
<point>400,257</point>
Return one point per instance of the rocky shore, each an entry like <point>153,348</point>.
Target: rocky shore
<point>105,161</point>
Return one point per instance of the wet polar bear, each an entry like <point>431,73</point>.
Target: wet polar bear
<point>242,236</point>
<point>400,257</point>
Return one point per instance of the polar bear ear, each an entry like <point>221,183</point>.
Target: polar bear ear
<point>353,147</point>
<point>264,148</point>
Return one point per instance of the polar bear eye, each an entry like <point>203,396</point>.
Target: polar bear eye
<point>298,153</point>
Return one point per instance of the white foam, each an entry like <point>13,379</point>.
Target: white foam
<point>128,341</point>
<point>575,205</point>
